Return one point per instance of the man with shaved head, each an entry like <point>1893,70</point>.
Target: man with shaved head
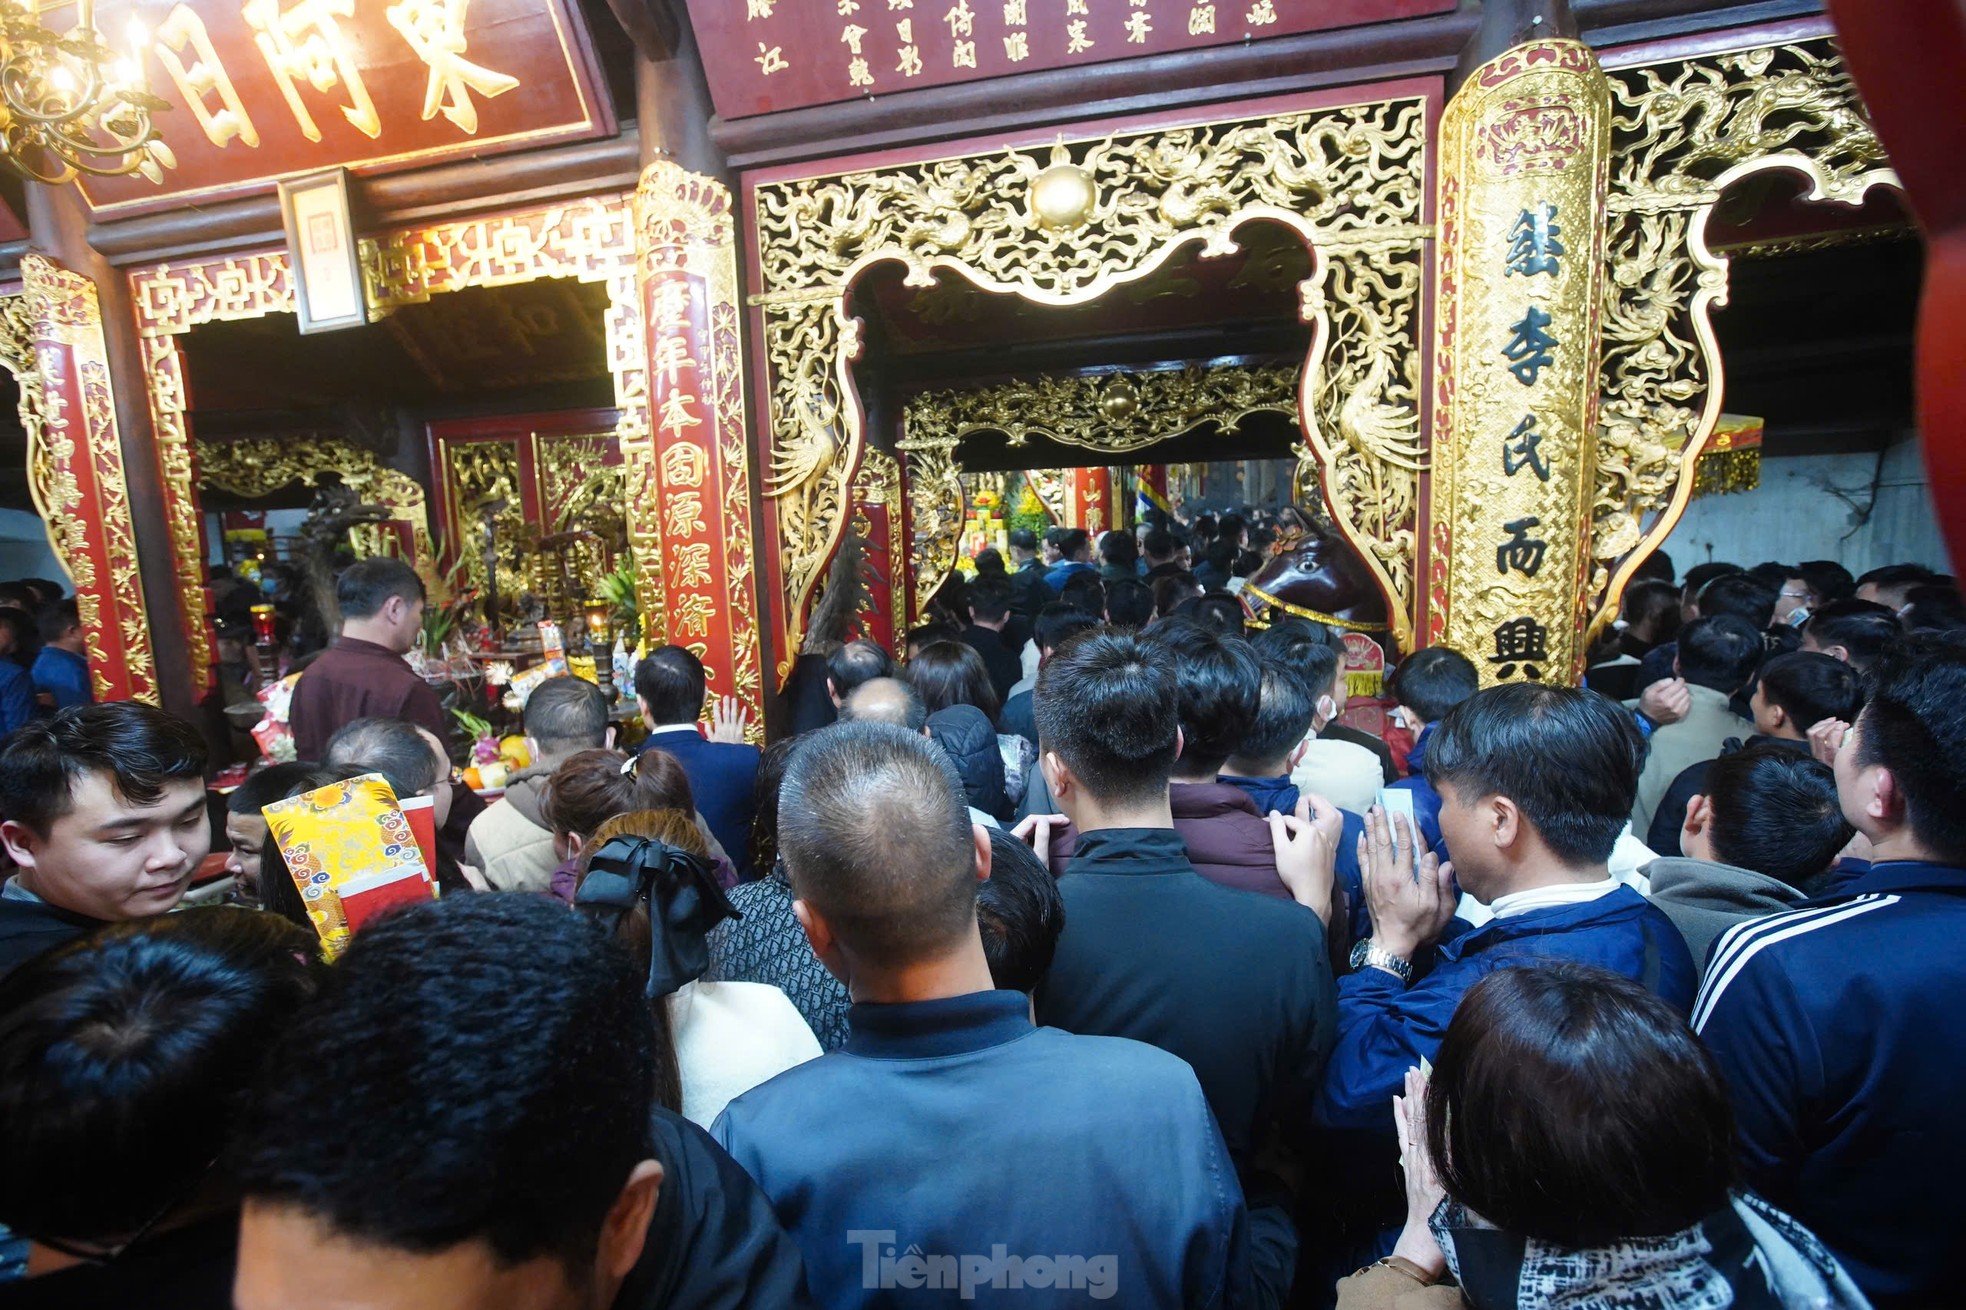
<point>1140,1199</point>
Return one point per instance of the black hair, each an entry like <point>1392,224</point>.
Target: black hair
<point>365,586</point>
<point>1740,595</point>
<point>772,764</point>
<point>989,597</point>
<point>1086,591</point>
<point>989,563</point>
<point>1304,646</point>
<point>1937,607</point>
<point>1248,564</point>
<point>1775,811</point>
<point>1057,622</point>
<point>1055,534</point>
<point>1221,553</point>
<point>567,714</point>
<point>476,1068</point>
<point>1654,601</point>
<point>274,782</point>
<point>18,595</point>
<point>1569,759</point>
<point>1827,580</point>
<point>1571,1106</point>
<point>902,700</point>
<point>1160,544</point>
<point>1810,688</point>
<point>1915,726</point>
<point>1772,574</point>
<point>1022,539</point>
<point>1432,681</point>
<point>952,673</point>
<point>1216,610</point>
<point>392,747</point>
<point>857,662</point>
<point>141,748</point>
<point>875,832</point>
<point>1129,603</point>
<point>1720,652</point>
<point>1073,540</point>
<point>1868,631</point>
<point>928,634</point>
<point>1232,526</point>
<point>1106,702</point>
<point>1656,567</point>
<point>1020,913</point>
<point>672,682</point>
<point>125,1056</point>
<point>1700,575</point>
<point>1173,590</point>
<point>1119,549</point>
<point>1898,575</point>
<point>1204,525</point>
<point>26,630</point>
<point>56,618</point>
<point>1219,686</point>
<point>1284,714</point>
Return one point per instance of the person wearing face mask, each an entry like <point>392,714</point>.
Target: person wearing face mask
<point>1427,684</point>
<point>1343,772</point>
<point>102,810</point>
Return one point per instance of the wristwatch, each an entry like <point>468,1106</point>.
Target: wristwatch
<point>1369,954</point>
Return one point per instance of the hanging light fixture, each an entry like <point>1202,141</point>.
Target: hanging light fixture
<point>71,104</point>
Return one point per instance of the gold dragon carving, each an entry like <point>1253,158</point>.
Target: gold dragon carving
<point>1350,181</point>
<point>1682,132</point>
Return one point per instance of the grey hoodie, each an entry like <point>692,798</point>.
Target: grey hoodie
<point>1704,899</point>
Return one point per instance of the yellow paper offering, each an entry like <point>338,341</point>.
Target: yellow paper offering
<point>346,833</point>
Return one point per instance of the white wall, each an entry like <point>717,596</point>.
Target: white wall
<point>24,549</point>
<point>1795,515</point>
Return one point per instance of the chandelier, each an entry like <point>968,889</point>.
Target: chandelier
<point>71,104</point>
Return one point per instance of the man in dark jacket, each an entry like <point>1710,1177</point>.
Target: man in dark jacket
<point>470,1106</point>
<point>1839,1026</point>
<point>935,1128</point>
<point>670,686</point>
<point>1027,590</point>
<point>969,739</point>
<point>102,811</point>
<point>1239,986</point>
<point>989,613</point>
<point>1074,559</point>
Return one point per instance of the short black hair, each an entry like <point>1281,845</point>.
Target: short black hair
<point>567,714</point>
<point>1217,610</point>
<point>1022,539</point>
<point>989,562</point>
<point>1304,646</point>
<point>1020,914</point>
<point>1898,575</point>
<point>1828,580</point>
<point>272,783</point>
<point>875,832</point>
<point>989,597</point>
<point>1569,759</point>
<point>672,683</point>
<point>1219,688</point>
<point>1810,688</point>
<point>1720,652</point>
<point>56,618</point>
<point>1742,596</point>
<point>1058,622</point>
<point>1700,575</point>
<point>1119,548</point>
<point>141,748</point>
<point>1655,567</point>
<point>856,662</point>
<point>1231,526</point>
<point>1652,601</point>
<point>1868,631</point>
<point>392,747</point>
<point>124,1057</point>
<point>1106,703</point>
<point>1173,590</point>
<point>1160,544</point>
<point>1073,540</point>
<point>1936,607</point>
<point>1915,726</point>
<point>1085,590</point>
<point>1284,714</point>
<point>1432,681</point>
<point>1129,603</point>
<point>928,634</point>
<point>1775,811</point>
<point>1571,1106</point>
<point>952,673</point>
<point>476,1068</point>
<point>1772,574</point>
<point>365,586</point>
<point>18,595</point>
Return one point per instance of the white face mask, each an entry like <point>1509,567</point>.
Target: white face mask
<point>1327,709</point>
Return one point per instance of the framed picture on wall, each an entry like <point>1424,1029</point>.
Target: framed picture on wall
<point>322,250</point>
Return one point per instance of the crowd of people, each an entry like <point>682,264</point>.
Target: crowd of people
<point>1078,950</point>
<point>44,652</point>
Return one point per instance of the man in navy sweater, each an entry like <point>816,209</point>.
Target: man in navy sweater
<point>1840,1026</point>
<point>670,686</point>
<point>962,1148</point>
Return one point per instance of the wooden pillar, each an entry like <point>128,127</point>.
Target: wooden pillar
<point>117,513</point>
<point>1524,151</point>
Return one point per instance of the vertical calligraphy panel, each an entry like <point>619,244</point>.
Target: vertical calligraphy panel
<point>1091,499</point>
<point>693,497</point>
<point>1525,148</point>
<point>76,470</point>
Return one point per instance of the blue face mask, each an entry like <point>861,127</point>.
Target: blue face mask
<point>270,586</point>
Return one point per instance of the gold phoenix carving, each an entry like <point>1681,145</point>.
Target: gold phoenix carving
<point>1682,132</point>
<point>1350,181</point>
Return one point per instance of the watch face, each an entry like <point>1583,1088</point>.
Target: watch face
<point>1359,953</point>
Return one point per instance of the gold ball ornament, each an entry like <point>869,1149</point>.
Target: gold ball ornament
<point>1119,400</point>
<point>1063,195</point>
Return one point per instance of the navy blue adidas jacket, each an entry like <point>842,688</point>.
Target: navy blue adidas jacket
<point>1386,1028</point>
<point>1841,1029</point>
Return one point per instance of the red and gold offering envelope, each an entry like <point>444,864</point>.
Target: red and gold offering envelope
<point>347,839</point>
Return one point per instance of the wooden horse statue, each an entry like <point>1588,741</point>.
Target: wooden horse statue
<point>1319,577</point>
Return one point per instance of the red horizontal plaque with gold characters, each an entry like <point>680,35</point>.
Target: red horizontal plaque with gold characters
<point>762,56</point>
<point>261,89</point>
